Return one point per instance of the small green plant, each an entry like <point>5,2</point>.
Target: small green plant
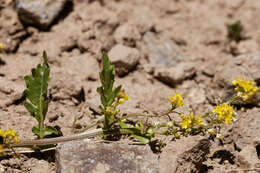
<point>112,97</point>
<point>36,94</point>
<point>108,93</point>
<point>234,31</point>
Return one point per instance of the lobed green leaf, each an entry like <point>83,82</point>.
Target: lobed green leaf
<point>36,95</point>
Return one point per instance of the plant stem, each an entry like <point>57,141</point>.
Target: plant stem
<point>48,141</point>
<point>147,115</point>
<point>93,125</point>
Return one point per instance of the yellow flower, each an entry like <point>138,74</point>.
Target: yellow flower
<point>17,140</point>
<point>245,89</point>
<point>121,101</point>
<point>2,46</point>
<point>9,136</point>
<point>190,120</point>
<point>10,133</point>
<point>2,133</point>
<point>186,121</point>
<point>225,113</point>
<point>112,111</point>
<point>176,100</point>
<point>198,120</point>
<point>122,97</point>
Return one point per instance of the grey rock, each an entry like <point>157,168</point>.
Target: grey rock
<point>39,13</point>
<point>165,60</point>
<point>162,53</point>
<point>184,155</point>
<point>84,156</point>
<point>124,58</point>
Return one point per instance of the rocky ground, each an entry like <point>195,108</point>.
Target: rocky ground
<point>159,47</point>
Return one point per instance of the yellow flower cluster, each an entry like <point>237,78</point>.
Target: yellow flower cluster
<point>245,89</point>
<point>190,120</point>
<point>112,111</point>
<point>122,97</point>
<point>176,100</point>
<point>2,46</point>
<point>225,113</point>
<point>8,137</point>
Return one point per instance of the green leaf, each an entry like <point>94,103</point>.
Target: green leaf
<point>136,132</point>
<point>107,78</point>
<point>37,132</point>
<point>125,126</point>
<point>41,133</point>
<point>142,139</point>
<point>48,130</point>
<point>36,94</point>
<point>31,109</point>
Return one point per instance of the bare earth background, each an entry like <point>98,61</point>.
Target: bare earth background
<point>170,45</point>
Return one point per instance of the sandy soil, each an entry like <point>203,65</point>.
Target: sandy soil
<point>196,30</point>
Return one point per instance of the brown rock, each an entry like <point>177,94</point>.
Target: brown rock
<point>85,156</point>
<point>12,32</point>
<point>41,167</point>
<point>124,58</point>
<point>248,158</point>
<point>230,71</point>
<point>9,92</point>
<point>246,130</point>
<point>184,155</point>
<point>175,75</point>
<point>245,66</point>
<point>127,34</point>
<point>251,63</point>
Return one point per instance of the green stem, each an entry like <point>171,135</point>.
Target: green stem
<point>233,99</point>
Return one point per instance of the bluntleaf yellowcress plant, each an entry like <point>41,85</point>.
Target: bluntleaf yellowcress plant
<point>114,124</point>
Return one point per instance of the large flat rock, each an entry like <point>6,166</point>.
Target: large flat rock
<point>92,157</point>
